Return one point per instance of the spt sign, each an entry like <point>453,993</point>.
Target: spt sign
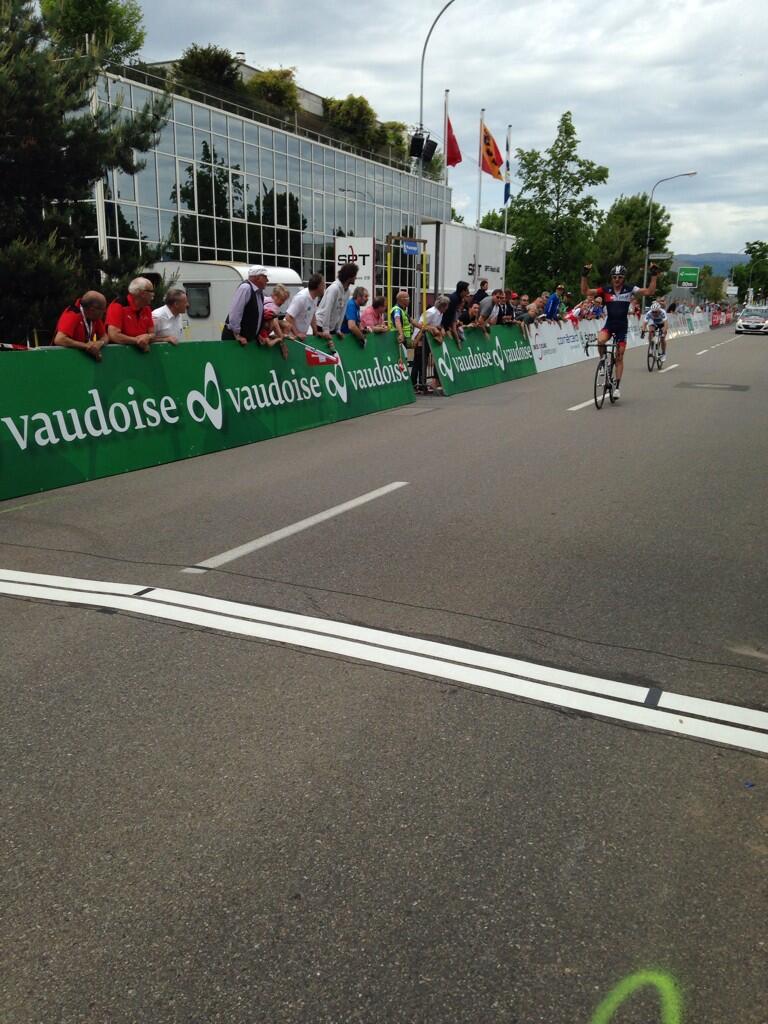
<point>361,252</point>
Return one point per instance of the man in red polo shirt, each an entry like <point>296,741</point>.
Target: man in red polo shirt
<point>81,325</point>
<point>129,320</point>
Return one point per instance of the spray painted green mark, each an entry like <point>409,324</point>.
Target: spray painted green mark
<point>670,1003</point>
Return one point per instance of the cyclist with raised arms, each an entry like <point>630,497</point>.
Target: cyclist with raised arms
<point>617,297</point>
<point>656,320</point>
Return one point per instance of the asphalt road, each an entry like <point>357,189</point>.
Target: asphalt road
<point>205,826</point>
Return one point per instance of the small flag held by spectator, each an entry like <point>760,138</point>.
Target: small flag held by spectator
<point>491,155</point>
<point>452,151</point>
<point>315,357</point>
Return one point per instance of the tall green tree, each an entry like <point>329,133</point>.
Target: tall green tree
<point>53,148</point>
<point>115,28</point>
<point>754,274</point>
<point>276,86</point>
<point>710,285</point>
<point>553,215</point>
<point>621,237</point>
<point>201,67</point>
<point>356,118</point>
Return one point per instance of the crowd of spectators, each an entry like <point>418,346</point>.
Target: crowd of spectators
<point>324,313</point>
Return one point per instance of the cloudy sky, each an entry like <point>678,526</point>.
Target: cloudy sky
<point>654,88</point>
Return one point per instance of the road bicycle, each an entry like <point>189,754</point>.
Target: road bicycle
<point>605,381</point>
<point>654,347</point>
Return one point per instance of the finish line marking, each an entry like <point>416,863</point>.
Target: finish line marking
<point>692,717</point>
<point>289,531</point>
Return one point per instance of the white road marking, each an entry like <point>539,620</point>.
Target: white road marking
<point>726,386</point>
<point>691,717</point>
<point>288,531</point>
<point>702,352</point>
<point>575,408</point>
<point>666,369</point>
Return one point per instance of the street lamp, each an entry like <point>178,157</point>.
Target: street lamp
<point>418,227</point>
<point>685,174</point>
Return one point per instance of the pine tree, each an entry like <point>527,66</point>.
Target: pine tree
<point>53,148</point>
<point>113,26</point>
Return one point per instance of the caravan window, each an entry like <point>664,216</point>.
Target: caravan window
<point>199,296</point>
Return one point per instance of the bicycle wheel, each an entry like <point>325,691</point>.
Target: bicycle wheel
<point>601,383</point>
<point>611,378</point>
<point>651,357</point>
<point>659,362</point>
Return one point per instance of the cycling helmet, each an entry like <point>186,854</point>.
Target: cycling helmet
<point>655,307</point>
<point>618,271</point>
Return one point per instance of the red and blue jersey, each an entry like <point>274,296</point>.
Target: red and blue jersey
<point>617,303</point>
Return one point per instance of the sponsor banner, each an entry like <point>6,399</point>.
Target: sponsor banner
<point>482,361</point>
<point>65,418</point>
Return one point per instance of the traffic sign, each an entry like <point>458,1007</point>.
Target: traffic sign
<point>687,277</point>
<point>661,255</point>
<point>410,248</point>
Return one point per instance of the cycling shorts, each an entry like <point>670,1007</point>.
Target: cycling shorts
<point>617,332</point>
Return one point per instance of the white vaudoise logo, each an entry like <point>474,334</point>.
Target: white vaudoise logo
<point>444,364</point>
<point>200,407</point>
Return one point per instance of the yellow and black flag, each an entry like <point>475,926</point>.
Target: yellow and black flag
<point>491,159</point>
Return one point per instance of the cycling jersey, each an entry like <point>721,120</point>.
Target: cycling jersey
<point>617,304</point>
<point>657,318</point>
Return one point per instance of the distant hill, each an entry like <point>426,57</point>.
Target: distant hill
<point>721,262</point>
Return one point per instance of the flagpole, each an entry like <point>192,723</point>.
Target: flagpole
<point>506,205</point>
<point>479,194</point>
<point>445,136</point>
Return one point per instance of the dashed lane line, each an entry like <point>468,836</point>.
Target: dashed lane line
<point>288,531</point>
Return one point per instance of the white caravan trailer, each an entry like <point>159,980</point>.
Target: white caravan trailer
<point>210,287</point>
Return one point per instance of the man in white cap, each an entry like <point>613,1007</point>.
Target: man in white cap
<point>246,314</point>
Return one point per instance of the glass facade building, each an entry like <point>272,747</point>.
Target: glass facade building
<point>219,186</point>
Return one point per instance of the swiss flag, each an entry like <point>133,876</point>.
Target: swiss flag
<point>452,151</point>
<point>315,357</point>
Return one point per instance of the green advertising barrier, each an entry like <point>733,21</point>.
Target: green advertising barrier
<point>65,418</point>
<point>505,355</point>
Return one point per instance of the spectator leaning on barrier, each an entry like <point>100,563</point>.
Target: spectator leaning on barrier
<point>508,309</point>
<point>431,321</point>
<point>272,331</point>
<point>300,315</point>
<point>552,307</point>
<point>451,316</point>
<point>482,291</point>
<point>333,305</point>
<point>351,322</point>
<point>469,314</point>
<point>246,313</point>
<point>169,319</point>
<point>489,311</point>
<point>129,320</point>
<point>372,317</point>
<point>400,321</point>
<point>82,326</point>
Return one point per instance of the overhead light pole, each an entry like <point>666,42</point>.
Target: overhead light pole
<point>685,174</point>
<point>418,225</point>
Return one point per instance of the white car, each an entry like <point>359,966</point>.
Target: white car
<point>753,320</point>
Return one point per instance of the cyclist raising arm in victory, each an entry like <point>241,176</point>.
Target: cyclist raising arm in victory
<point>617,297</point>
<point>656,320</point>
